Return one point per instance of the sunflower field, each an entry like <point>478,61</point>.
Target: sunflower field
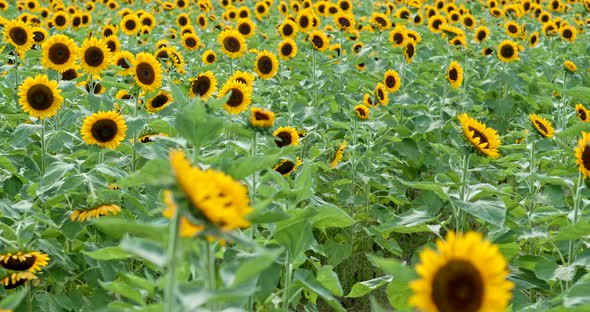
<point>295,155</point>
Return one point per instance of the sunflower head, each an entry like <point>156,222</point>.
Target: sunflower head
<point>286,136</point>
<point>287,49</point>
<point>542,125</point>
<point>261,118</point>
<point>24,261</point>
<point>583,154</point>
<point>391,80</point>
<point>285,167</point>
<point>464,273</point>
<point>319,40</point>
<point>16,279</point>
<point>484,139</point>
<point>19,35</point>
<point>106,129</point>
<point>209,57</point>
<point>95,56</point>
<point>96,211</point>
<point>59,53</point>
<point>582,113</point>
<point>455,75</point>
<point>338,154</point>
<point>362,111</point>
<point>240,98</point>
<point>381,94</point>
<point>243,77</point>
<point>266,65</point>
<point>232,43</point>
<point>570,66</point>
<point>147,72</point>
<point>203,85</point>
<point>159,101</point>
<point>39,96</point>
<point>508,51</point>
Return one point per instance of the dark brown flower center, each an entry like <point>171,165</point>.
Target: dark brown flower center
<point>59,53</point>
<point>210,58</point>
<point>112,45</point>
<point>285,167</point>
<point>40,97</point>
<point>586,157</point>
<point>582,114</point>
<point>265,65</point>
<point>18,35</point>
<point>182,21</point>
<point>76,21</point>
<point>344,22</point>
<point>512,29</point>
<point>16,284</point>
<point>285,139</point>
<point>317,41</point>
<point>453,75</point>
<point>458,286</point>
<point>468,22</point>
<point>567,34</point>
<point>286,49</point>
<point>481,35</point>
<point>190,42</point>
<point>18,265</point>
<point>160,100</point>
<point>398,38</point>
<point>69,74</point>
<point>541,127</point>
<point>94,56</point>
<point>107,32</point>
<point>145,73</point>
<point>380,94</point>
<point>130,25</point>
<point>410,50</point>
<point>244,29</point>
<point>533,39</point>
<point>104,130</point>
<point>261,116</point>
<point>390,81</point>
<point>201,86</point>
<point>38,36</point>
<point>507,51</point>
<point>483,140</point>
<point>361,112</point>
<point>60,20</point>
<point>304,21</point>
<point>122,62</point>
<point>236,98</point>
<point>436,24</point>
<point>232,44</point>
<point>287,30</point>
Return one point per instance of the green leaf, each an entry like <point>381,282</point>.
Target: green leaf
<point>427,186</point>
<point>493,212</point>
<point>13,300</point>
<point>306,280</point>
<point>579,92</point>
<point>254,264</point>
<point>116,228</point>
<point>304,183</point>
<point>574,130</point>
<point>572,232</point>
<point>154,172</point>
<point>331,216</point>
<point>398,291</point>
<point>360,289</point>
<point>295,233</point>
<point>579,294</point>
<point>194,124</point>
<point>329,279</point>
<point>411,221</point>
<point>53,176</point>
<point>145,249</point>
<point>108,253</point>
<point>121,288</point>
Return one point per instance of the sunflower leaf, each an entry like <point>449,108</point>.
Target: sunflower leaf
<point>493,212</point>
<point>579,93</point>
<point>360,289</point>
<point>154,172</point>
<point>108,253</point>
<point>13,300</point>
<point>146,249</point>
<point>306,280</point>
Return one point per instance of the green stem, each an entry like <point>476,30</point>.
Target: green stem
<point>172,249</point>
<point>287,283</point>
<point>134,145</point>
<point>462,189</point>
<point>562,106</point>
<point>252,202</point>
<point>29,298</point>
<point>441,107</point>
<point>340,62</point>
<point>577,197</point>
<point>313,70</point>
<point>379,45</point>
<point>211,266</point>
<point>43,147</point>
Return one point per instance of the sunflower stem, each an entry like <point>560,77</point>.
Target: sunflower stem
<point>577,197</point>
<point>43,148</point>
<point>231,67</point>
<point>287,282</point>
<point>562,104</point>
<point>462,189</point>
<point>172,249</point>
<point>340,62</point>
<point>210,248</point>
<point>532,170</point>
<point>441,107</point>
<point>29,298</point>
<point>379,44</point>
<point>252,201</point>
<point>134,145</point>
<point>16,63</point>
<point>313,72</point>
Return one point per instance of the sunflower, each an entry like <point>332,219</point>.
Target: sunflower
<point>97,211</point>
<point>149,137</point>
<point>158,102</point>
<point>240,98</point>
<point>28,261</point>
<point>583,154</point>
<point>186,228</point>
<point>409,51</point>
<point>534,39</point>
<point>391,81</point>
<point>568,33</point>
<point>232,43</point>
<point>59,53</point>
<point>285,167</point>
<point>508,51</point>
<point>109,30</point>
<point>243,77</point>
<point>465,273</point>
<point>147,72</point>
<point>39,96</point>
<point>130,24</point>
<point>512,29</point>
<point>381,94</point>
<point>344,21</point>
<point>202,21</point>
<point>338,155</point>
<point>287,49</point>
<point>19,35</point>
<point>368,100</point>
<point>107,129</point>
<point>266,65</point>
<point>246,27</point>
<point>319,40</point>
<point>542,125</point>
<point>484,139</point>
<point>286,136</point>
<point>362,111</point>
<point>70,74</point>
<point>16,279</point>
<point>435,22</point>
<point>288,29</point>
<point>124,60</point>
<point>61,20</point>
<point>397,36</point>
<point>39,34</point>
<point>203,85</point>
<point>212,194</point>
<point>380,20</point>
<point>209,57</point>
<point>123,95</point>
<point>570,67</point>
<point>190,41</point>
<point>261,118</point>
<point>304,20</point>
<point>455,75</point>
<point>582,113</point>
<point>481,33</point>
<point>95,56</point>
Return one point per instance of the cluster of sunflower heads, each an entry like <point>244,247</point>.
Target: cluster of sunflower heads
<point>21,267</point>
